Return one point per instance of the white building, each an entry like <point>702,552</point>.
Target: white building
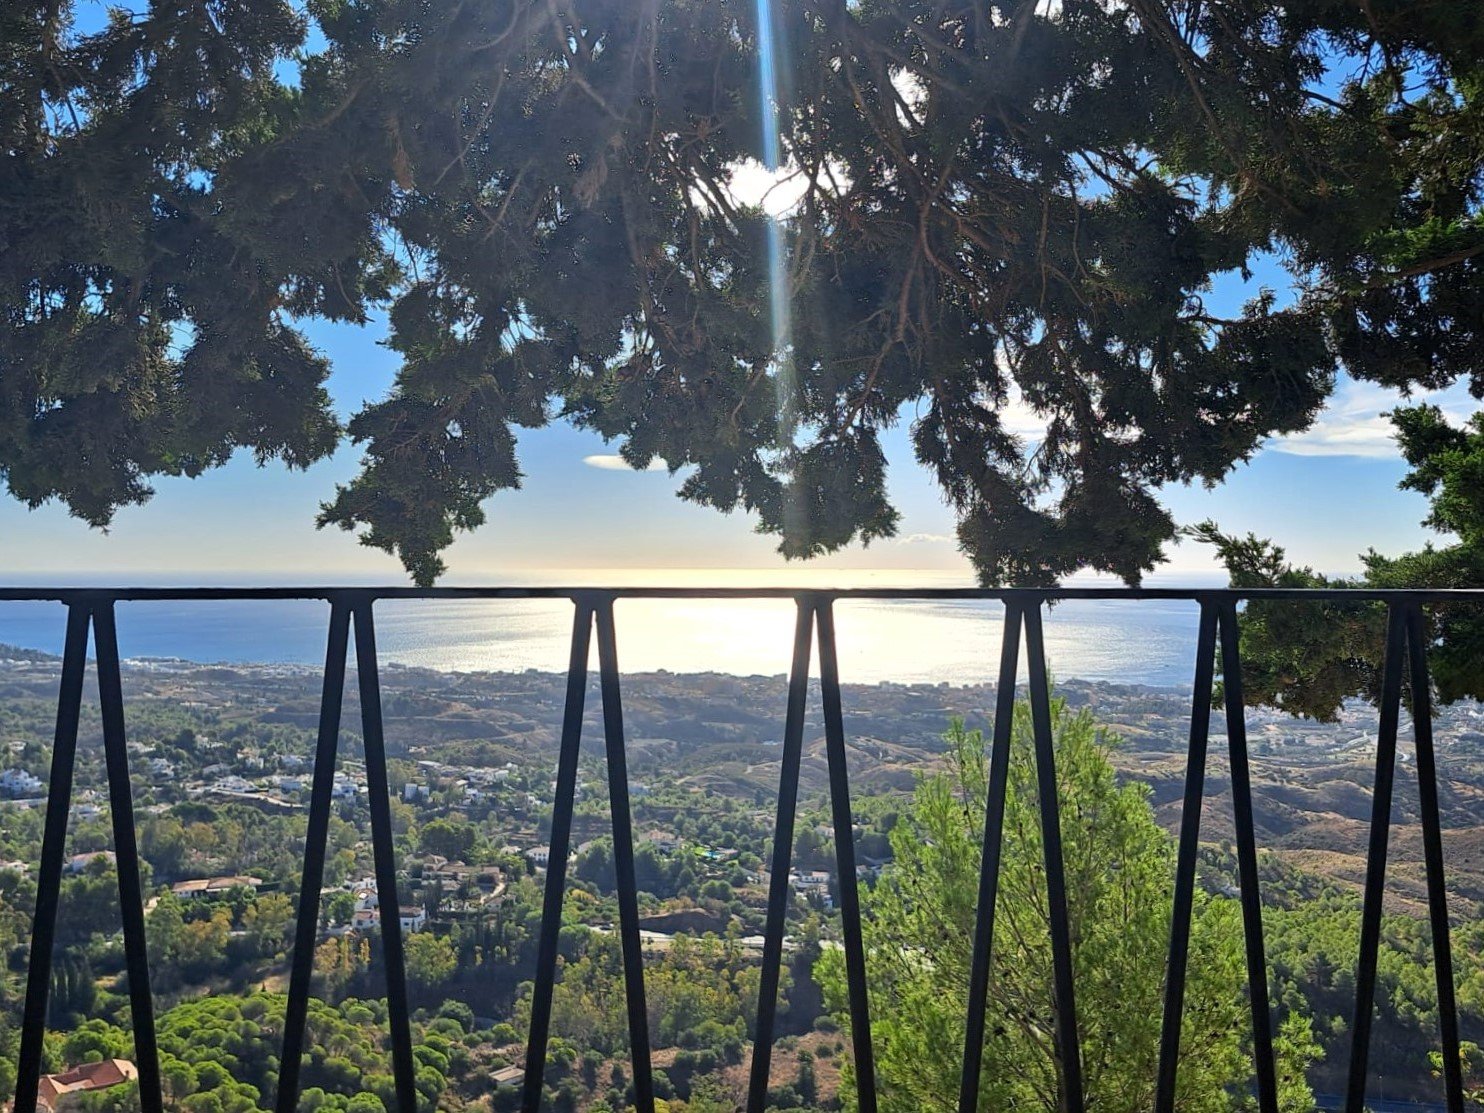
<point>78,863</point>
<point>364,919</point>
<point>17,782</point>
<point>815,883</point>
<point>810,879</point>
<point>213,886</point>
<point>412,919</point>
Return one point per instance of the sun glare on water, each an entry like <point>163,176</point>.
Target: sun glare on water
<point>903,641</point>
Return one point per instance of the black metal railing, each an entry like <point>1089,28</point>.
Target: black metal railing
<point>1406,641</point>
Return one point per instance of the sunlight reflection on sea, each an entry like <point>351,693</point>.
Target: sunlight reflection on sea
<point>955,642</point>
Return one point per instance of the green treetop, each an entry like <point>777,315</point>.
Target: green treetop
<point>1308,658</point>
<point>919,925</point>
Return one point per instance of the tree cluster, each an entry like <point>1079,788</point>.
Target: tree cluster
<point>919,926</point>
<point>1016,204</point>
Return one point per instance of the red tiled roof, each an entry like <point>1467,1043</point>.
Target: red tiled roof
<point>89,1076</point>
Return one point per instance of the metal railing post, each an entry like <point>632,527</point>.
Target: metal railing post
<point>623,859</point>
<point>783,845</point>
<point>1375,877</point>
<point>53,849</point>
<point>844,821</point>
<point>556,861</point>
<point>378,794</point>
<point>1189,849</point>
<point>1068,1041</point>
<point>1432,854</point>
<point>306,928</point>
<point>1264,1059</point>
<point>126,851</point>
<point>989,862</point>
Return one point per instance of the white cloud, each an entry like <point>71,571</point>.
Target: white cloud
<point>1353,423</point>
<point>776,192</point>
<point>924,539</point>
<point>615,462</point>
<point>1019,418</point>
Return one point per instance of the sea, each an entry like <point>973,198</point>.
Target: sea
<point>879,641</point>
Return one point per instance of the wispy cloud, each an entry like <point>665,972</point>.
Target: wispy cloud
<point>924,539</point>
<point>615,462</point>
<point>1019,418</point>
<point>1353,423</point>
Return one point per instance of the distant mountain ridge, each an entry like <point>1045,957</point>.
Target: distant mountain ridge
<point>18,653</point>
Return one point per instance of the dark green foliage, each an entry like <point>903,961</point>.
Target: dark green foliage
<point>919,921</point>
<point>1304,657</point>
<point>1313,938</point>
<point>227,1047</point>
<point>806,1084</point>
<point>113,1099</point>
<point>1026,206</point>
<point>73,989</point>
<point>1309,657</point>
<point>449,839</point>
<point>158,233</point>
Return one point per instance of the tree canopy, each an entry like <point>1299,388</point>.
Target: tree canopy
<point>1308,658</point>
<point>1016,204</point>
<point>919,929</point>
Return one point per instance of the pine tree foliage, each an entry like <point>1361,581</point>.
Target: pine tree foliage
<point>1308,658</point>
<point>919,924</point>
<point>1015,204</point>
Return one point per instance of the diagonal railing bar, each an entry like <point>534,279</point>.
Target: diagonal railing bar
<point>1189,850</point>
<point>556,861</point>
<point>126,851</point>
<point>1432,854</point>
<point>53,850</point>
<point>989,862</point>
<point>783,841</point>
<point>1245,828</point>
<point>1068,1042</point>
<point>1375,877</point>
<point>623,859</point>
<point>306,928</point>
<point>378,791</point>
<point>850,903</point>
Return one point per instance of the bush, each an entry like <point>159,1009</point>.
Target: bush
<point>784,1097</point>
<point>663,1087</point>
<point>459,1012</point>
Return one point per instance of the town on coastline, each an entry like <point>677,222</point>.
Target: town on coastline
<point>221,758</point>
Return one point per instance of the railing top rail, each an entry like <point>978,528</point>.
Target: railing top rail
<point>352,595</point>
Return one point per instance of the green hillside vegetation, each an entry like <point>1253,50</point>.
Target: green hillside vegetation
<point>703,839</point>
